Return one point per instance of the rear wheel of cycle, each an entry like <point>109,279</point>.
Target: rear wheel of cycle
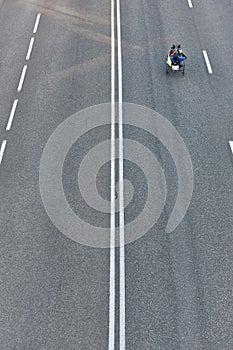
<point>183,69</point>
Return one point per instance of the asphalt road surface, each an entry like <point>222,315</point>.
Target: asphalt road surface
<point>163,291</point>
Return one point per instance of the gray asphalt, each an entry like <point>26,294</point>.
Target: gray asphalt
<point>179,285</point>
<point>54,292</point>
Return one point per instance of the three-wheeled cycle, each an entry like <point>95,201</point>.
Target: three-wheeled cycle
<point>174,66</point>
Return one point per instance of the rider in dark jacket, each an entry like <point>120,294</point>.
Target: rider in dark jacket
<point>181,52</point>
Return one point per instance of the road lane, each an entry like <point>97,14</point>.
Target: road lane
<point>174,282</point>
<point>55,291</point>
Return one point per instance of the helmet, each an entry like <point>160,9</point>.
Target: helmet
<point>173,47</point>
<point>179,47</point>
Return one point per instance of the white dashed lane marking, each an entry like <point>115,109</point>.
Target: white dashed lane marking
<point>30,49</point>
<point>22,78</point>
<point>21,81</point>
<point>190,3</point>
<point>11,115</point>
<point>2,150</point>
<point>207,61</point>
<point>37,23</point>
<point>231,145</point>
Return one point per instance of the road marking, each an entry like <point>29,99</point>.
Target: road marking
<point>111,344</point>
<point>207,61</point>
<point>121,188</point>
<point>22,78</point>
<point>30,49</point>
<point>36,23</point>
<point>3,146</point>
<point>231,145</point>
<point>190,3</point>
<point>111,339</point>
<point>10,120</point>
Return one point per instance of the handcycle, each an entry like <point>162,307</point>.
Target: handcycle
<point>174,66</point>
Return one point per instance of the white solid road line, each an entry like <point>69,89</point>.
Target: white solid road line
<point>10,120</point>
<point>3,146</point>
<point>190,3</point>
<point>231,145</point>
<point>22,78</point>
<point>30,49</point>
<point>111,338</point>
<point>207,61</point>
<point>121,190</point>
<point>36,23</point>
<point>112,293</point>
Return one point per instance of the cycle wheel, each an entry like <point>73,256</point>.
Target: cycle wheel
<point>183,69</point>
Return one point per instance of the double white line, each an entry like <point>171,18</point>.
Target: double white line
<point>112,294</point>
